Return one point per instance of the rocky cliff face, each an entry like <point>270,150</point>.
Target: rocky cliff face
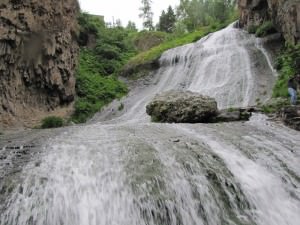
<point>38,56</point>
<point>285,15</point>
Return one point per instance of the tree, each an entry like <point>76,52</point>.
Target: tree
<point>118,23</point>
<point>147,14</point>
<point>162,21</point>
<point>131,26</point>
<point>167,20</point>
<point>197,13</point>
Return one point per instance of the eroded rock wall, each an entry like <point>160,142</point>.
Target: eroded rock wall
<point>285,15</point>
<point>38,56</point>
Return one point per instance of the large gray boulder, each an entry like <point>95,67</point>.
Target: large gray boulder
<point>182,107</point>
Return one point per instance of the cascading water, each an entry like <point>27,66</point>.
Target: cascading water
<point>128,171</point>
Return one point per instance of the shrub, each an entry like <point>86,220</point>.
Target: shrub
<point>287,64</point>
<point>52,122</point>
<point>265,29</point>
<point>274,105</point>
<point>94,90</point>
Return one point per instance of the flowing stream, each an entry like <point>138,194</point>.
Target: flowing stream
<point>121,169</point>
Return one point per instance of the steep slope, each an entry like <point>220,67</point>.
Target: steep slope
<point>38,55</point>
<point>285,15</point>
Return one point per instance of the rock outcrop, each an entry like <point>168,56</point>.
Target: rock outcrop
<point>182,107</point>
<point>38,56</point>
<point>291,116</point>
<point>285,15</point>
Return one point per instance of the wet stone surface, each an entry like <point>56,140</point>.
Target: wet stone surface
<point>17,149</point>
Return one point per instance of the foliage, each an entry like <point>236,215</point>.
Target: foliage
<point>97,84</point>
<point>52,122</point>
<point>288,64</point>
<point>252,29</point>
<point>89,25</point>
<point>274,105</point>
<point>167,21</point>
<point>94,90</point>
<point>147,14</point>
<point>265,29</point>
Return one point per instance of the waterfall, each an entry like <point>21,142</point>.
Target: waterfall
<point>128,171</point>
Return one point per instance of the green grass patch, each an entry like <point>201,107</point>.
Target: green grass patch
<point>288,64</point>
<point>52,122</point>
<point>265,29</point>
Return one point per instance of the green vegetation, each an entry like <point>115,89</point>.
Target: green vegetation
<point>252,29</point>
<point>231,109</point>
<point>93,89</point>
<point>52,122</point>
<point>147,14</point>
<point>97,83</point>
<point>265,29</point>
<point>167,20</point>
<point>288,63</point>
<point>274,105</point>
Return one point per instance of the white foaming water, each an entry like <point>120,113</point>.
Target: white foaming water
<point>128,171</point>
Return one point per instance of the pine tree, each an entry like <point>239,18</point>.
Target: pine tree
<point>167,20</point>
<point>162,21</point>
<point>147,14</point>
<point>171,19</point>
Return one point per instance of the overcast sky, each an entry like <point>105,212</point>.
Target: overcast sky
<point>124,9</point>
